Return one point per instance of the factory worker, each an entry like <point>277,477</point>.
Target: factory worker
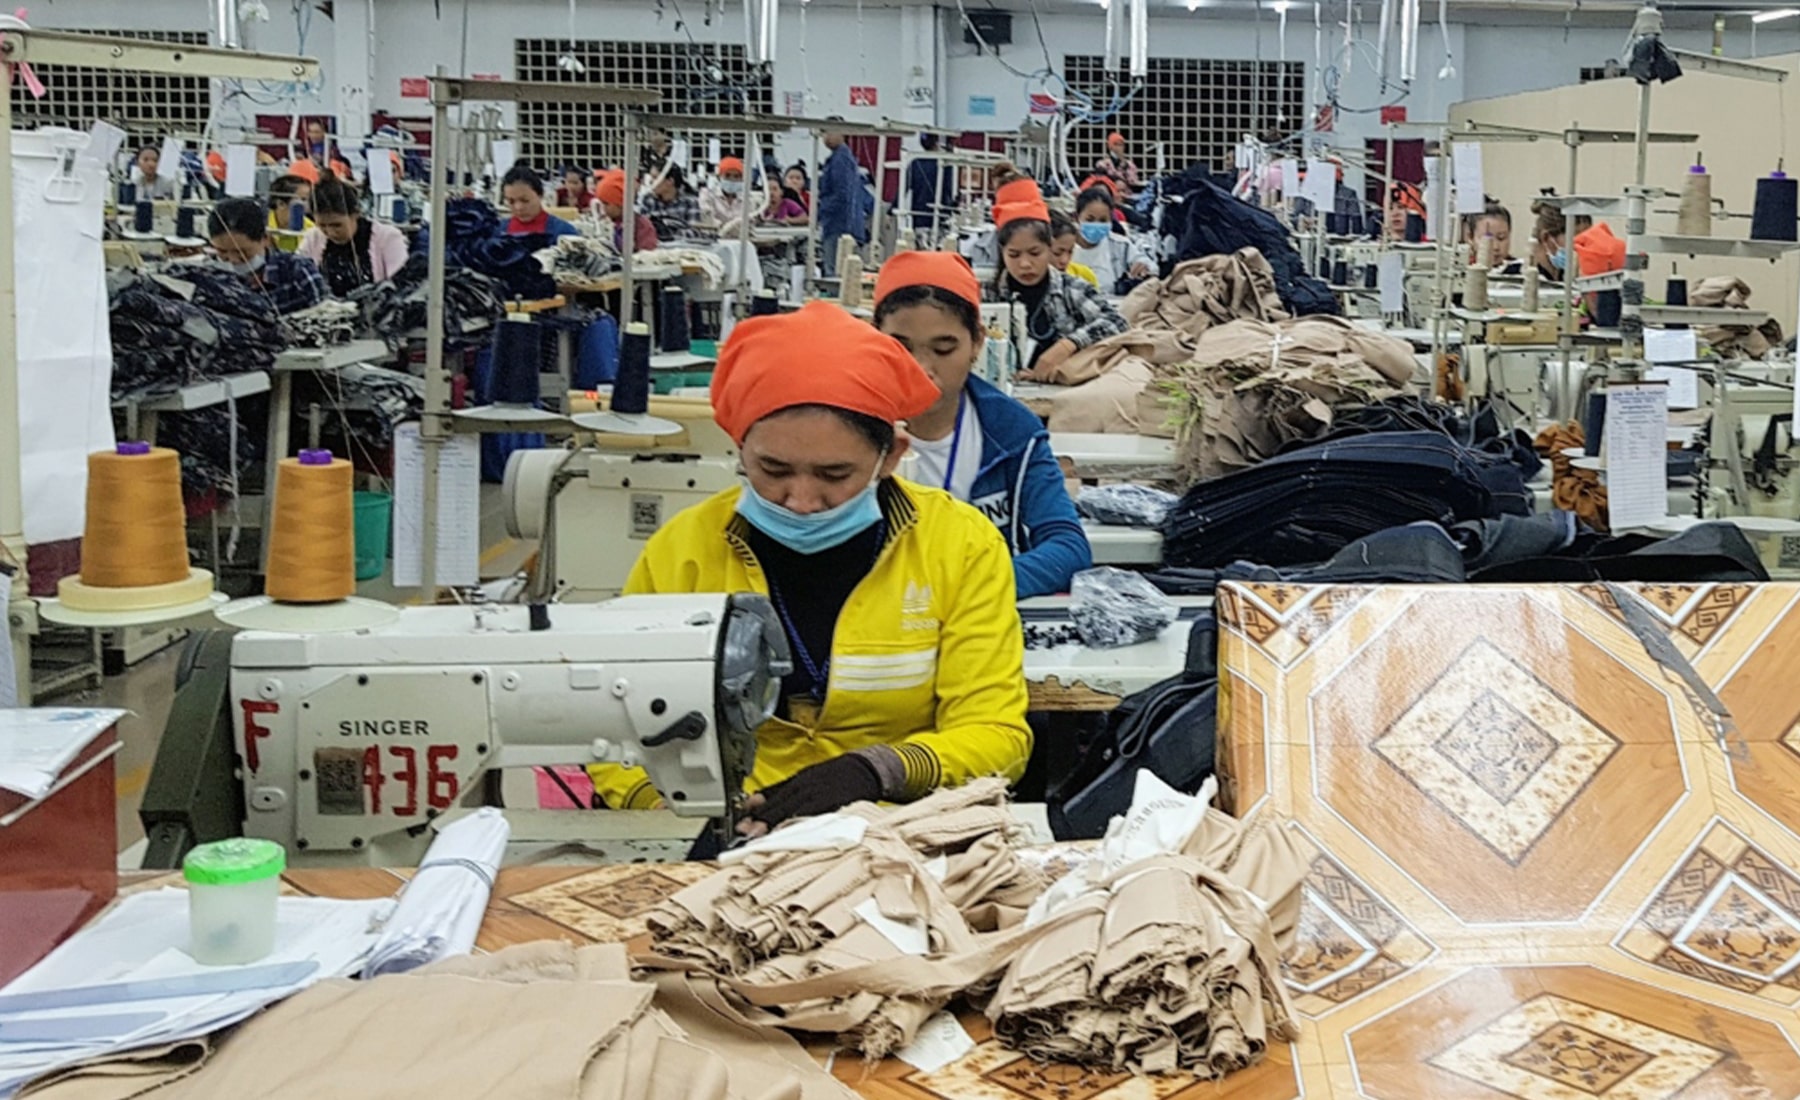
<point>350,249</point>
<point>148,177</point>
<point>671,205</point>
<point>1550,247</point>
<point>1062,314</point>
<point>1103,249</point>
<point>575,190</point>
<point>1115,165</point>
<point>1064,236</point>
<point>239,232</point>
<point>523,190</point>
<point>976,442</point>
<point>723,207</point>
<point>897,599</point>
<point>611,196</point>
<point>1493,226</point>
<point>284,192</point>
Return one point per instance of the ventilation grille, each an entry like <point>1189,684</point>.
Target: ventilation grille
<point>145,105</point>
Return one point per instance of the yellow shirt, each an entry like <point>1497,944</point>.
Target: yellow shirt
<point>928,656</point>
<point>1084,272</point>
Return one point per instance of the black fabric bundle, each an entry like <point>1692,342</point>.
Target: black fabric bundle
<point>1218,223</point>
<point>398,306</point>
<point>475,239</point>
<point>1478,431</point>
<point>1306,505</point>
<point>172,332</point>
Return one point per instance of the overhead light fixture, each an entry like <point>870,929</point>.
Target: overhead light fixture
<point>1194,5</point>
<point>1281,6</point>
<point>1771,16</point>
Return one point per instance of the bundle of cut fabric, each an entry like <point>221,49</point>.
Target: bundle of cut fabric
<point>1733,341</point>
<point>329,323</point>
<point>1104,381</point>
<point>1212,222</point>
<point>199,323</point>
<point>1212,290</point>
<point>711,267</point>
<point>838,895</point>
<point>475,239</point>
<point>1572,489</point>
<point>1163,954</point>
<point>1253,388</point>
<point>1306,505</point>
<point>398,306</point>
<point>542,1020</point>
<point>575,261</point>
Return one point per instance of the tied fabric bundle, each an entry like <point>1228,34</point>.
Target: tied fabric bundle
<point>1163,953</point>
<point>441,909</point>
<point>1730,341</point>
<point>894,887</point>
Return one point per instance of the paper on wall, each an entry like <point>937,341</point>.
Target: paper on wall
<point>381,172</point>
<point>1471,193</point>
<point>1390,280</point>
<point>240,170</point>
<point>459,509</point>
<point>714,152</point>
<point>506,154</point>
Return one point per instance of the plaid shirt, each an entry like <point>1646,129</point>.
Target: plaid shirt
<point>676,218</point>
<point>1076,310</point>
<point>291,283</point>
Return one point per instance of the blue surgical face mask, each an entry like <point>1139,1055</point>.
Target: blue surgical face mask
<point>1095,232</point>
<point>1560,259</point>
<point>731,187</point>
<point>812,532</point>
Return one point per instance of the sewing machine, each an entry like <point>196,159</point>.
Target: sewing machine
<point>345,747</point>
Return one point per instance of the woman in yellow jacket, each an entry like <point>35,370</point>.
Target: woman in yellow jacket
<point>897,599</point>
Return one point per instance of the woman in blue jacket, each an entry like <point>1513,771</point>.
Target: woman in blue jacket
<point>976,442</point>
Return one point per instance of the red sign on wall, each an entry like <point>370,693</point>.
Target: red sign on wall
<point>415,87</point>
<point>1393,114</point>
<point>862,95</point>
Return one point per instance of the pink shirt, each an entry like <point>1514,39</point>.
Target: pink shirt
<point>387,249</point>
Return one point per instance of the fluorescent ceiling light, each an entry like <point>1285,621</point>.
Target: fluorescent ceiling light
<point>1771,16</point>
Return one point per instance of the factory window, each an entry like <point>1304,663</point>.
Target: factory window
<point>146,106</point>
<point>694,79</point>
<point>1198,108</point>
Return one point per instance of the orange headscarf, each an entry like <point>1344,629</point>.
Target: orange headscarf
<point>1018,201</point>
<point>730,164</point>
<point>1101,181</point>
<point>612,188</point>
<point>1599,251</point>
<point>759,370</point>
<point>1115,138</point>
<point>944,270</point>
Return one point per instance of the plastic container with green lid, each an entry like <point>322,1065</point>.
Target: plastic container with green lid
<point>232,889</point>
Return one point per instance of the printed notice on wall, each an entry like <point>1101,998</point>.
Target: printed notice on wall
<point>1390,281</point>
<point>1637,462</point>
<point>1471,195</point>
<point>458,513</point>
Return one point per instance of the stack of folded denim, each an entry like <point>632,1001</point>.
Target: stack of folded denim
<point>1306,505</point>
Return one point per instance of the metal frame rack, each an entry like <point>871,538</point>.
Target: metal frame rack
<point>22,46</point>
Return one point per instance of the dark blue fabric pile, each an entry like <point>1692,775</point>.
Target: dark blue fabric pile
<point>475,239</point>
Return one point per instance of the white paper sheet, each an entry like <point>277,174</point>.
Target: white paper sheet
<point>1674,346</point>
<point>1320,187</point>
<point>37,743</point>
<point>170,163</point>
<point>1636,449</point>
<point>104,140</point>
<point>714,151</point>
<point>64,342</point>
<point>939,1042</point>
<point>1390,280</point>
<point>459,509</point>
<point>1290,179</point>
<point>1430,195</point>
<point>1471,194</point>
<point>144,937</point>
<point>506,154</point>
<point>825,833</point>
<point>240,170</point>
<point>909,937</point>
<point>381,172</point>
<point>441,909</point>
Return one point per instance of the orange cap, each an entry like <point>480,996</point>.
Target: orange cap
<point>1115,138</point>
<point>1101,181</point>
<point>1018,201</point>
<point>612,188</point>
<point>730,164</point>
<point>305,169</point>
<point>944,270</point>
<point>215,165</point>
<point>759,374</point>
<point>1599,251</point>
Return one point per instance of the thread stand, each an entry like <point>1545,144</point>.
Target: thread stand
<point>629,411</point>
<point>514,385</point>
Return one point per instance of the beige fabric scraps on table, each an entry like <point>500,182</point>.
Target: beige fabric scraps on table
<point>1170,965</point>
<point>780,919</point>
<point>1208,291</point>
<point>1108,404</point>
<point>1254,387</point>
<point>1731,292</point>
<point>542,1020</point>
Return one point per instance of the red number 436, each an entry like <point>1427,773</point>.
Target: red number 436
<point>441,783</point>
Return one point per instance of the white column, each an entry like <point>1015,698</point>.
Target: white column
<point>353,72</point>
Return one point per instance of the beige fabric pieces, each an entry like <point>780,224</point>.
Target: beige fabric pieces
<point>1212,290</point>
<point>545,1020</point>
<point>1253,387</point>
<point>1731,292</point>
<point>780,918</point>
<point>1171,964</point>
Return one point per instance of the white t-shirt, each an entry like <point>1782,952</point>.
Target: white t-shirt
<point>934,456</point>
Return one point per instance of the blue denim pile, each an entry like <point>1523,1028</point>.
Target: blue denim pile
<point>475,239</point>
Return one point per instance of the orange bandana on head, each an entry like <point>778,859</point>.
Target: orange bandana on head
<point>1019,200</point>
<point>944,270</point>
<point>761,370</point>
<point>730,164</point>
<point>612,188</point>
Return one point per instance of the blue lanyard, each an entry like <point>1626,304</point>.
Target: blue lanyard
<point>962,402</point>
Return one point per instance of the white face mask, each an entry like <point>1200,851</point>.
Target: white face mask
<point>731,187</point>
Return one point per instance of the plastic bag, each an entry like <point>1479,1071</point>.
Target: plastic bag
<point>1112,608</point>
<point>1125,505</point>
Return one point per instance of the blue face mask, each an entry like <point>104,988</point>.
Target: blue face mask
<point>816,531</point>
<point>1094,232</point>
<point>1560,259</point>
